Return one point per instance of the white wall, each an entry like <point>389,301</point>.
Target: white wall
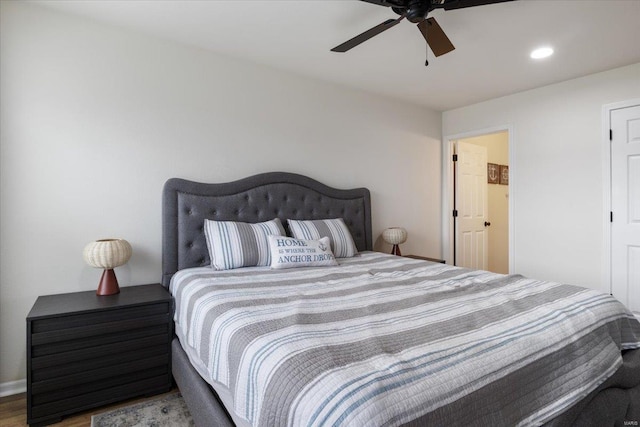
<point>557,171</point>
<point>95,119</point>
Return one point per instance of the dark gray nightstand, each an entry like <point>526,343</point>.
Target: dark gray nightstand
<point>441,261</point>
<point>85,350</point>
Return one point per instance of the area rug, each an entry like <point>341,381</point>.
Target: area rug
<point>167,411</point>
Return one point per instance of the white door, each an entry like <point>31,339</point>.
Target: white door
<point>625,206</point>
<point>471,204</point>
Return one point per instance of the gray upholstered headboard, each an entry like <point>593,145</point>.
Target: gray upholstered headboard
<point>186,204</point>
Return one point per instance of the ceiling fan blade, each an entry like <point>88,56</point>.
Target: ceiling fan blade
<point>460,4</point>
<point>435,37</point>
<point>361,38</point>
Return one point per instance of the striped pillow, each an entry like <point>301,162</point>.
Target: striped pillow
<point>336,230</point>
<point>240,244</point>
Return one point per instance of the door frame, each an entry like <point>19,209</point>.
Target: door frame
<point>447,190</point>
<point>607,203</point>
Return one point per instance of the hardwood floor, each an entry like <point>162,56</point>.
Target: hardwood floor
<point>13,411</point>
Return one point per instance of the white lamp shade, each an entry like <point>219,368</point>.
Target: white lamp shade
<point>394,235</point>
<point>107,253</point>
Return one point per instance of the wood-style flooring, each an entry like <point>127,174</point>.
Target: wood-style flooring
<point>13,411</point>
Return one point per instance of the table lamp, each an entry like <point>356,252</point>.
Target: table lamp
<point>107,254</point>
<point>394,236</point>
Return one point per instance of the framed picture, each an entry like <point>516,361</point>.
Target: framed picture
<point>493,173</point>
<point>504,174</point>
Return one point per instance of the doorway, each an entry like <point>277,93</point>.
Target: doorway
<point>623,168</point>
<point>479,212</point>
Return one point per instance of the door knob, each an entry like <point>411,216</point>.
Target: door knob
<point>487,224</point>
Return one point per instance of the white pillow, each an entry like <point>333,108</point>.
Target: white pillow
<point>240,244</point>
<point>288,252</point>
<point>336,230</point>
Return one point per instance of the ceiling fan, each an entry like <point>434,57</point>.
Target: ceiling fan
<point>416,11</point>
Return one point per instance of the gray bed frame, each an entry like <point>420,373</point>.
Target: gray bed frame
<point>285,195</point>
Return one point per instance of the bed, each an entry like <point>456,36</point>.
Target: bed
<point>594,386</point>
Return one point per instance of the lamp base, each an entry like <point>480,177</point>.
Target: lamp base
<point>108,283</point>
<point>396,250</point>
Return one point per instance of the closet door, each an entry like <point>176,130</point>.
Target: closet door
<point>625,204</point>
<point>471,204</point>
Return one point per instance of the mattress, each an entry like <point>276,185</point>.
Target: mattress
<point>385,340</point>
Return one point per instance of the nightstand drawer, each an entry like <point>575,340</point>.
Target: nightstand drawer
<point>70,345</point>
<point>79,320</point>
<point>38,364</point>
<point>63,394</point>
<point>94,375</point>
<point>105,396</point>
<point>94,360</point>
<point>104,328</point>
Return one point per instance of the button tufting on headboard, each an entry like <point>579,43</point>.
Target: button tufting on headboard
<point>187,204</point>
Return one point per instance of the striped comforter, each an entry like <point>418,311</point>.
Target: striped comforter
<point>386,341</point>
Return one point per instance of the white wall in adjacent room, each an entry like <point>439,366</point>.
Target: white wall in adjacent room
<point>95,119</point>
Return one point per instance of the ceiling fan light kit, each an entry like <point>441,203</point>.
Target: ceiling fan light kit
<point>416,11</point>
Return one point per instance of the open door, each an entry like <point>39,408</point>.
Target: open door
<point>471,202</point>
<point>625,206</point>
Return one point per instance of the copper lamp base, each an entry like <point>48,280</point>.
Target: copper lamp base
<point>396,250</point>
<point>108,283</point>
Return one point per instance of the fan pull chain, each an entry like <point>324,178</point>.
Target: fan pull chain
<point>426,55</point>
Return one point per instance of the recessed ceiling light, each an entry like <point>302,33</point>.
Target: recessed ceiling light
<point>541,52</point>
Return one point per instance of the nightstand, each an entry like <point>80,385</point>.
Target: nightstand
<point>441,261</point>
<point>85,350</point>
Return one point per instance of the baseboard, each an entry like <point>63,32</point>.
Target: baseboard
<point>13,387</point>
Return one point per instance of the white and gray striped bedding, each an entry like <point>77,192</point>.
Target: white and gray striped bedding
<point>385,341</point>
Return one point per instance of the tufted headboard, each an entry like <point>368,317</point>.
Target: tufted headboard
<point>186,204</point>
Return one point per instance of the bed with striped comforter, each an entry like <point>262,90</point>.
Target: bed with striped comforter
<point>385,341</point>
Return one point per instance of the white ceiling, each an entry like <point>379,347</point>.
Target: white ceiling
<point>492,42</point>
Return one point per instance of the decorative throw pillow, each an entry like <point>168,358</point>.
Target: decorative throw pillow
<point>336,230</point>
<point>240,244</point>
<point>288,252</point>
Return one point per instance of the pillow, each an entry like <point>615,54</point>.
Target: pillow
<point>287,252</point>
<point>240,244</point>
<point>336,230</point>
